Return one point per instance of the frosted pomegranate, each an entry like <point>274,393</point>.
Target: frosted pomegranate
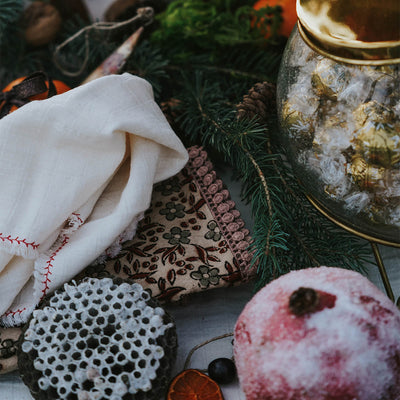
<point>319,334</point>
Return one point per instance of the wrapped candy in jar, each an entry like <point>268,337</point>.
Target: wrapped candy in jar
<point>339,111</point>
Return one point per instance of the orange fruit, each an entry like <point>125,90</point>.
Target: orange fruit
<point>288,13</point>
<point>61,87</point>
<point>192,384</point>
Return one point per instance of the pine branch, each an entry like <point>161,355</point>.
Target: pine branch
<point>288,232</point>
<point>188,27</point>
<point>148,63</point>
<point>251,64</point>
<point>10,11</point>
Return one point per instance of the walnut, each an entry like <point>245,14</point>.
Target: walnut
<point>41,23</point>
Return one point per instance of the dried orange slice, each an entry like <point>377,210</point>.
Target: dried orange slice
<point>192,384</point>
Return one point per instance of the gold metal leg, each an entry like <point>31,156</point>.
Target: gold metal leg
<point>374,243</point>
<point>382,270</point>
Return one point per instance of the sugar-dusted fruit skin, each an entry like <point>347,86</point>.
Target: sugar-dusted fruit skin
<point>345,346</point>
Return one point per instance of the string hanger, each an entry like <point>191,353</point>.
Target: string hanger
<point>189,356</point>
<point>144,15</point>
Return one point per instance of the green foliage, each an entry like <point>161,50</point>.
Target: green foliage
<point>205,55</point>
<point>149,64</point>
<point>11,46</point>
<point>220,40</point>
<point>189,26</point>
<point>10,11</point>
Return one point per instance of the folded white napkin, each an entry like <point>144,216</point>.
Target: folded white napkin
<point>76,175</point>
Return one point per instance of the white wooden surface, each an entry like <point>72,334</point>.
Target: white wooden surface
<point>208,315</point>
<point>211,313</point>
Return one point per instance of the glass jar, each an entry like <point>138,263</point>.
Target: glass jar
<point>339,112</point>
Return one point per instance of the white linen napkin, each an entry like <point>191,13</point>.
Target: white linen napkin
<point>76,175</point>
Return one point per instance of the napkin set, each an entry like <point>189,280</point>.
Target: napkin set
<point>96,184</point>
<point>77,173</point>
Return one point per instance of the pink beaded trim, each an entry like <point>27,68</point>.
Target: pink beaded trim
<point>221,206</point>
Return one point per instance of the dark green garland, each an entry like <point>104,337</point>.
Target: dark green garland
<point>206,56</point>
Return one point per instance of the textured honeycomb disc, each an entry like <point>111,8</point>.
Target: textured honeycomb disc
<point>98,340</point>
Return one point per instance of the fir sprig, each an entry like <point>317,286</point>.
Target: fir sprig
<point>149,63</point>
<point>10,11</point>
<point>188,27</point>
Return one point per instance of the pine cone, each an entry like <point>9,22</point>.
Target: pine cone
<point>260,102</point>
<point>169,108</point>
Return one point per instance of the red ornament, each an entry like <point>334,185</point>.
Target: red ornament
<point>288,13</point>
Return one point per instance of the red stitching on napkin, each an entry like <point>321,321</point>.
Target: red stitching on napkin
<point>78,216</point>
<point>49,265</point>
<point>18,241</point>
<point>13,313</point>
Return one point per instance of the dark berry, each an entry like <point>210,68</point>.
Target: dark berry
<point>222,370</point>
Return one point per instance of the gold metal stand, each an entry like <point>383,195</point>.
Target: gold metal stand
<point>382,271</point>
<point>374,243</point>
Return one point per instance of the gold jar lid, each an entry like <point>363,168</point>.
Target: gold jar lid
<point>363,32</point>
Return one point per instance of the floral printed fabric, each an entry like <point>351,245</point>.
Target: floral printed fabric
<point>191,239</point>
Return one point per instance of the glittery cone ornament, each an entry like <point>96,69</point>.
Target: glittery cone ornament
<point>115,62</point>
